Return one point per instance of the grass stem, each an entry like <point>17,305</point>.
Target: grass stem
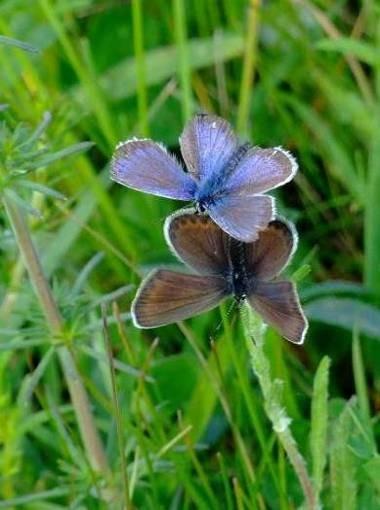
<point>254,333</point>
<point>78,394</point>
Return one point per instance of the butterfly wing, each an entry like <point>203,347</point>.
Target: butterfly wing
<point>207,144</point>
<point>165,297</point>
<point>278,304</point>
<point>272,251</point>
<point>242,217</point>
<point>146,166</point>
<point>261,170</point>
<point>198,242</point>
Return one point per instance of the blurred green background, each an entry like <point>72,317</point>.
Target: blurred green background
<point>191,431</point>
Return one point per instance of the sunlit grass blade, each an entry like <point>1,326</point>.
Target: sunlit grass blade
<point>179,15</point>
<point>141,90</point>
<point>372,211</point>
<point>249,63</point>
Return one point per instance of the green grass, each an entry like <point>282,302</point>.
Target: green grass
<point>180,417</point>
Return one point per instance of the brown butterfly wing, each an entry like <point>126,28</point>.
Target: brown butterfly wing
<point>166,296</point>
<point>278,304</point>
<point>268,256</point>
<point>198,242</point>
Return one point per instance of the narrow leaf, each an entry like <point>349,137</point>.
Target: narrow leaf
<point>348,46</point>
<point>347,313</point>
<point>23,204</point>
<point>31,381</point>
<point>9,41</point>
<point>64,153</point>
<point>343,468</point>
<point>319,419</point>
<point>41,188</point>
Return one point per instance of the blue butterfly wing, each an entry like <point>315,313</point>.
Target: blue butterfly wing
<point>242,217</point>
<point>146,166</point>
<point>207,144</point>
<point>260,170</point>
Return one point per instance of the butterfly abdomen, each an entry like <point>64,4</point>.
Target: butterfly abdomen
<point>238,275</point>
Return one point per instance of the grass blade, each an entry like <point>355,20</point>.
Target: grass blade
<point>183,57</point>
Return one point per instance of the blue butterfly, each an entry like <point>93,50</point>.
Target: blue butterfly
<point>224,179</point>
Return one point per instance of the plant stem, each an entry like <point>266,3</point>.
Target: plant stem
<point>78,394</point>
<point>254,333</point>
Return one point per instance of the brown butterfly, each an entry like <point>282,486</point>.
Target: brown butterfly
<point>224,267</point>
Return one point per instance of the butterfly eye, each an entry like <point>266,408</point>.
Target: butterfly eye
<point>201,207</point>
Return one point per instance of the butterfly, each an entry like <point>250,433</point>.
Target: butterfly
<point>224,266</point>
<point>224,179</point>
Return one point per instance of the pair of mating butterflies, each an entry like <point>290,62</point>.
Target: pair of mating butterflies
<point>238,248</point>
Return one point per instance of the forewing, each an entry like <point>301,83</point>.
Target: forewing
<point>271,252</point>
<point>146,166</point>
<point>243,217</point>
<point>198,242</point>
<point>261,170</point>
<point>167,296</point>
<point>279,306</point>
<point>207,144</point>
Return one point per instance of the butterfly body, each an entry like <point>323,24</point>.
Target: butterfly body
<point>236,276</point>
<point>208,193</point>
<point>223,267</point>
<point>223,178</point>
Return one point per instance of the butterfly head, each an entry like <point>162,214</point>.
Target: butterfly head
<point>203,201</point>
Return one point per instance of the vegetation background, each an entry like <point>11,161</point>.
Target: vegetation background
<point>181,418</point>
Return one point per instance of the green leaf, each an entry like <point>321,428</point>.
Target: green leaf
<point>46,119</point>
<point>23,204</point>
<point>9,41</point>
<point>84,274</point>
<point>347,46</point>
<point>47,159</point>
<point>319,419</point>
<point>332,287</point>
<point>41,188</point>
<point>337,160</point>
<point>347,313</point>
<point>360,380</point>
<point>31,381</point>
<point>372,210</point>
<point>372,469</point>
<point>343,465</point>
<point>35,496</point>
<point>180,368</point>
